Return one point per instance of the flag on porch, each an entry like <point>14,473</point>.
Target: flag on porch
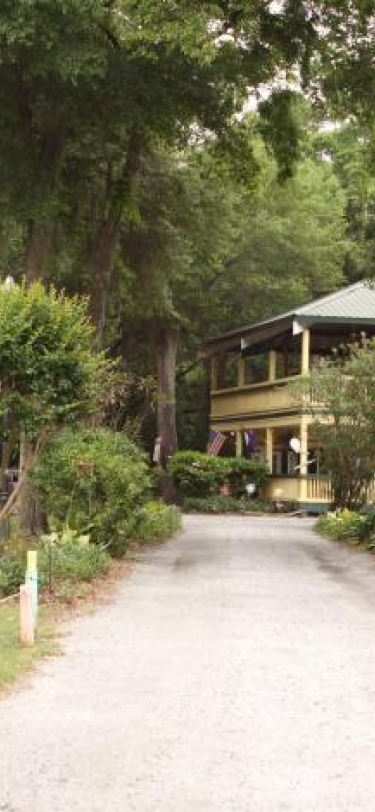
<point>250,441</point>
<point>215,442</point>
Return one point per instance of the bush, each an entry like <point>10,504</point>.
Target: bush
<point>69,557</point>
<point>201,475</point>
<point>12,574</point>
<point>342,524</point>
<point>157,521</point>
<point>225,504</point>
<point>96,481</point>
<point>350,525</point>
<point>72,561</point>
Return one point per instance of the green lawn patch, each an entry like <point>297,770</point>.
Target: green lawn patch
<point>16,659</point>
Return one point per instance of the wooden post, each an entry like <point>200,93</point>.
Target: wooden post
<point>238,443</point>
<point>272,359</point>
<point>26,615</point>
<point>305,352</point>
<point>269,449</point>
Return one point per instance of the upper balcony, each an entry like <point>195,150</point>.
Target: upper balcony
<point>257,385</point>
<point>262,359</point>
<point>268,398</point>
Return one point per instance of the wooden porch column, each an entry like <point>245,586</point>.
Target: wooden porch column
<point>269,449</point>
<point>238,443</point>
<point>214,366</point>
<point>272,359</point>
<point>303,459</point>
<point>305,352</point>
<point>241,372</point>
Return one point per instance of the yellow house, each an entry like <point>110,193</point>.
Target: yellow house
<point>251,372</point>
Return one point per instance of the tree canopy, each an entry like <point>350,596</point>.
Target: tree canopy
<point>131,173</point>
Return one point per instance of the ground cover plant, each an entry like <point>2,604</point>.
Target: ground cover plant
<point>225,504</point>
<point>357,527</point>
<point>157,521</point>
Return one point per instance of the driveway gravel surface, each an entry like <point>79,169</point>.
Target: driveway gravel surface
<point>233,670</point>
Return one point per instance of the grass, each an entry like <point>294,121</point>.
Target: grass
<point>71,598</point>
<point>16,659</point>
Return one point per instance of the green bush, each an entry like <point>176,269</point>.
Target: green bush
<point>350,525</point>
<point>72,562</point>
<point>157,521</point>
<point>96,481</point>
<point>12,573</point>
<point>342,524</point>
<point>225,504</point>
<point>201,475</point>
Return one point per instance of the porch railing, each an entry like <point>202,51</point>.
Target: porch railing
<point>319,489</point>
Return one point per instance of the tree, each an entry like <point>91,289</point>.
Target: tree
<point>50,375</point>
<point>343,408</point>
<point>210,251</point>
<point>84,85</point>
<point>349,149</point>
<point>270,248</point>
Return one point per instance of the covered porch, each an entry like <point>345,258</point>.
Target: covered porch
<point>294,478</point>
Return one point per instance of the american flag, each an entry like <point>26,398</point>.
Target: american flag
<point>215,443</point>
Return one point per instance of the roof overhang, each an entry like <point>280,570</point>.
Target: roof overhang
<point>250,337</point>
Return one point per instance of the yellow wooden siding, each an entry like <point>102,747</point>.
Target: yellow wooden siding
<point>252,400</point>
<point>316,489</point>
<point>280,489</point>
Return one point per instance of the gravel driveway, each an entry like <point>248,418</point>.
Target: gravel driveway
<point>234,670</point>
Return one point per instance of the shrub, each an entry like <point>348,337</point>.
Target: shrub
<point>201,475</point>
<point>342,524</point>
<point>157,521</point>
<point>72,561</point>
<point>12,574</point>
<point>96,481</point>
<point>67,557</point>
<point>225,504</point>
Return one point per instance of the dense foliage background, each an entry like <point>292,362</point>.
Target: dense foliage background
<point>188,167</point>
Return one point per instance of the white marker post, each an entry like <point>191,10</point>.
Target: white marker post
<point>31,579</point>
<point>26,615</point>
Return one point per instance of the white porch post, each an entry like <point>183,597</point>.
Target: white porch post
<point>238,443</point>
<point>305,352</point>
<point>303,459</point>
<point>269,449</point>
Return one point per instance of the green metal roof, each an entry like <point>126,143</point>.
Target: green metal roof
<point>356,303</point>
<point>352,305</point>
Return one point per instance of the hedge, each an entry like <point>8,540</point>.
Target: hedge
<point>202,475</point>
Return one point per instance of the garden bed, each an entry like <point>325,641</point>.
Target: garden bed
<point>353,527</point>
<point>225,504</point>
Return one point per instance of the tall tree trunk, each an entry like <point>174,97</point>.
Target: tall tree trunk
<point>166,343</point>
<point>27,510</point>
<point>100,266</point>
<point>38,251</point>
<point>103,249</point>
